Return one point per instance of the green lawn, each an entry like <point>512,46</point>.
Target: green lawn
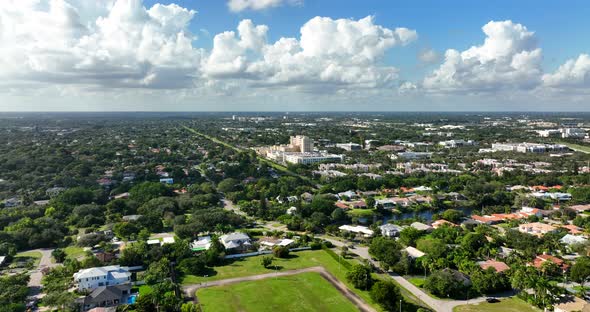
<point>35,255</point>
<point>302,292</point>
<point>578,147</point>
<point>416,281</point>
<point>74,252</point>
<point>360,212</point>
<point>505,305</point>
<point>302,259</point>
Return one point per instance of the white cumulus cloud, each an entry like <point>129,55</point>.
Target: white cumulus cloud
<point>508,59</point>
<point>127,46</point>
<point>256,5</point>
<point>574,73</point>
<point>331,52</point>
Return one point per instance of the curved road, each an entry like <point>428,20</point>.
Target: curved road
<point>436,304</point>
<point>190,290</point>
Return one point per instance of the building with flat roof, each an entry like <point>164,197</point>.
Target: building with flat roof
<point>92,278</point>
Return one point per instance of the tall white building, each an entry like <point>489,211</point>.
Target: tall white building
<point>303,143</point>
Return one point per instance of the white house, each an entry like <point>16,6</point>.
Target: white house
<point>92,278</point>
<point>570,239</point>
<point>359,229</point>
<point>390,230</point>
<point>203,243</point>
<point>235,240</point>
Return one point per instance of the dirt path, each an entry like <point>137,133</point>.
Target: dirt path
<point>190,290</point>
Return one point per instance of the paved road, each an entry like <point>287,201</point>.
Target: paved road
<point>435,304</point>
<point>36,275</point>
<point>190,290</point>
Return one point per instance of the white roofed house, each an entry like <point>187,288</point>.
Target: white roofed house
<point>235,241</point>
<point>92,278</point>
<point>390,230</point>
<point>359,229</point>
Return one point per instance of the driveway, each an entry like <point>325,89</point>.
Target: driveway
<point>36,275</point>
<point>190,290</point>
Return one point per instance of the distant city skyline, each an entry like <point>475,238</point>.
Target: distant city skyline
<point>294,55</point>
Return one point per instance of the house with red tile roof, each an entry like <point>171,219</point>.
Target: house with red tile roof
<point>498,266</point>
<point>572,229</point>
<point>541,259</point>
<point>536,228</point>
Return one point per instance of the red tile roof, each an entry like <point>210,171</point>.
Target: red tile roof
<point>497,265</point>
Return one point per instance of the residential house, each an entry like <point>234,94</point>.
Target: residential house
<point>92,278</point>
<point>12,202</point>
<point>541,259</point>
<point>358,229</point>
<point>414,253</point>
<point>439,223</point>
<point>236,241</point>
<point>270,242</point>
<point>572,229</point>
<point>201,244</point>
<point>580,208</point>
<point>105,296</point>
<point>131,218</point>
<point>536,228</point>
<point>421,226</point>
<point>390,230</point>
<point>570,240</point>
<point>105,256</point>
<point>498,266</point>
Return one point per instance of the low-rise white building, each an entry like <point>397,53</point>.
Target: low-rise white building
<point>390,230</point>
<point>235,240</point>
<point>358,229</point>
<point>92,278</point>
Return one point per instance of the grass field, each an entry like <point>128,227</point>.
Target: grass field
<point>302,292</point>
<point>74,252</point>
<point>416,281</point>
<point>297,260</point>
<point>505,305</point>
<point>577,147</point>
<point>35,255</point>
<point>360,212</point>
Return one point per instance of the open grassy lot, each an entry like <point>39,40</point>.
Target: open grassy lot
<point>578,147</point>
<point>34,256</point>
<point>297,260</point>
<point>74,252</point>
<point>505,305</point>
<point>251,266</point>
<point>302,292</point>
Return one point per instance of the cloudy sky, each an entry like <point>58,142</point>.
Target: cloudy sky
<point>294,55</point>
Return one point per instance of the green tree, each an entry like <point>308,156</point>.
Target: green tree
<point>386,250</point>
<point>580,271</point>
<point>59,255</point>
<point>266,261</point>
<point>360,277</point>
<point>452,215</point>
<point>386,294</point>
<point>443,284</point>
<point>409,236</point>
<point>280,251</point>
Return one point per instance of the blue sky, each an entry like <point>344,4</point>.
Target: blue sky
<point>533,56</point>
<point>562,27</point>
